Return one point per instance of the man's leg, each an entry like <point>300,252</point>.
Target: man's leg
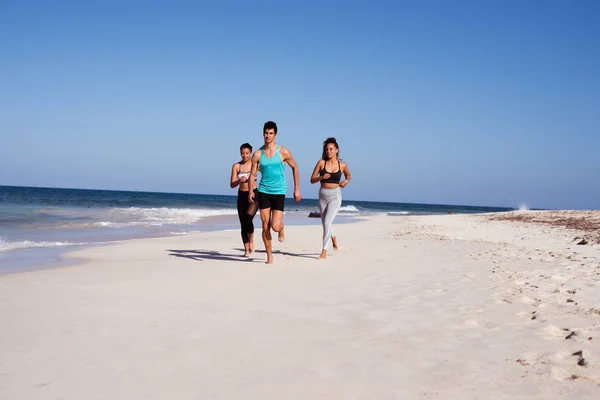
<point>265,217</point>
<point>277,224</point>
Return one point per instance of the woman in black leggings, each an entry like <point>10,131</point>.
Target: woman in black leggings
<point>240,173</point>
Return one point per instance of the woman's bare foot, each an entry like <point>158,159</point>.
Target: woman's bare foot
<point>334,242</point>
<point>251,248</point>
<point>281,235</point>
<point>269,260</point>
<point>246,250</point>
<point>323,255</point>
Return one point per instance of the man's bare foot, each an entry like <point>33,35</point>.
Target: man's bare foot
<point>269,260</point>
<point>334,242</point>
<point>323,255</point>
<point>281,235</point>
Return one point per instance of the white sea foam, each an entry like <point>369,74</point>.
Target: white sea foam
<point>523,207</point>
<point>110,224</point>
<point>398,213</point>
<point>349,209</point>
<point>137,216</point>
<point>7,245</point>
<point>180,233</point>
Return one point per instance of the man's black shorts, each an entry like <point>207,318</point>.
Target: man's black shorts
<point>272,201</point>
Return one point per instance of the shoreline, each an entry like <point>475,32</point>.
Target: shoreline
<point>37,258</point>
<point>445,306</point>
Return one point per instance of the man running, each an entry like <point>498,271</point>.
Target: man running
<point>269,160</point>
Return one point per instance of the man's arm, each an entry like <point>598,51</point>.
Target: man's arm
<point>287,157</point>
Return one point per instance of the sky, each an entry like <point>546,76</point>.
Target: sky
<point>493,103</point>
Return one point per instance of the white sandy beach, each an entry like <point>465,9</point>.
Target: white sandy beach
<point>432,307</point>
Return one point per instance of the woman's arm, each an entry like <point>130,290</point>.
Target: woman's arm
<point>347,175</point>
<point>315,175</point>
<point>234,171</point>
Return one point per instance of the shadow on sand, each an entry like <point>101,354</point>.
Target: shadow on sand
<point>203,255</point>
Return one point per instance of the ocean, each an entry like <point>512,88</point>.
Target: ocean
<point>37,224</point>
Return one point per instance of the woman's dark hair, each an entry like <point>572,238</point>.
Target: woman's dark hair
<point>325,143</point>
<point>246,146</point>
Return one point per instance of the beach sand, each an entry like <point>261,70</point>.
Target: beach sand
<point>419,307</point>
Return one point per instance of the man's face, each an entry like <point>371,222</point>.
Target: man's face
<point>269,135</point>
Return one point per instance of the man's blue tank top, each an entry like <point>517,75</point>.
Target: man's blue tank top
<point>272,179</point>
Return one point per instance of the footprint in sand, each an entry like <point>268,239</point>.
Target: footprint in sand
<point>529,300</point>
<point>555,333</point>
<point>471,323</point>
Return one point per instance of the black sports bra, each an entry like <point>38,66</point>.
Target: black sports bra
<point>334,177</point>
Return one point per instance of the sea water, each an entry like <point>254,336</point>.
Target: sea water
<point>37,225</point>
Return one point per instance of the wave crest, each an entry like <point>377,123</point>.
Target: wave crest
<point>349,209</point>
<point>7,245</point>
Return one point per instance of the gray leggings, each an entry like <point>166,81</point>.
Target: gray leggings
<point>330,201</point>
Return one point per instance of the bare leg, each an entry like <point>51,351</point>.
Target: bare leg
<point>324,252</point>
<point>265,216</point>
<point>277,224</point>
<point>334,241</point>
<point>251,244</point>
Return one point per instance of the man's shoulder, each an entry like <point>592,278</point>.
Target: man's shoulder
<point>283,149</point>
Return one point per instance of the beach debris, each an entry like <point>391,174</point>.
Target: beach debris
<point>522,362</point>
<point>580,360</point>
<point>586,222</point>
<point>570,335</point>
<point>314,214</point>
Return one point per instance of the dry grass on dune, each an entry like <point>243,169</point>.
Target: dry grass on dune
<point>586,222</point>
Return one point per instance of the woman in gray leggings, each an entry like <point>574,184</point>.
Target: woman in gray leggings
<point>328,171</point>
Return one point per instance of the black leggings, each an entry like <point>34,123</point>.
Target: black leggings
<point>246,213</point>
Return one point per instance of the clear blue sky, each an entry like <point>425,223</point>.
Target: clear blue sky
<point>492,102</point>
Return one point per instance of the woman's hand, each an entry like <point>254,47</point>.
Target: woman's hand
<point>343,183</point>
<point>326,176</point>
